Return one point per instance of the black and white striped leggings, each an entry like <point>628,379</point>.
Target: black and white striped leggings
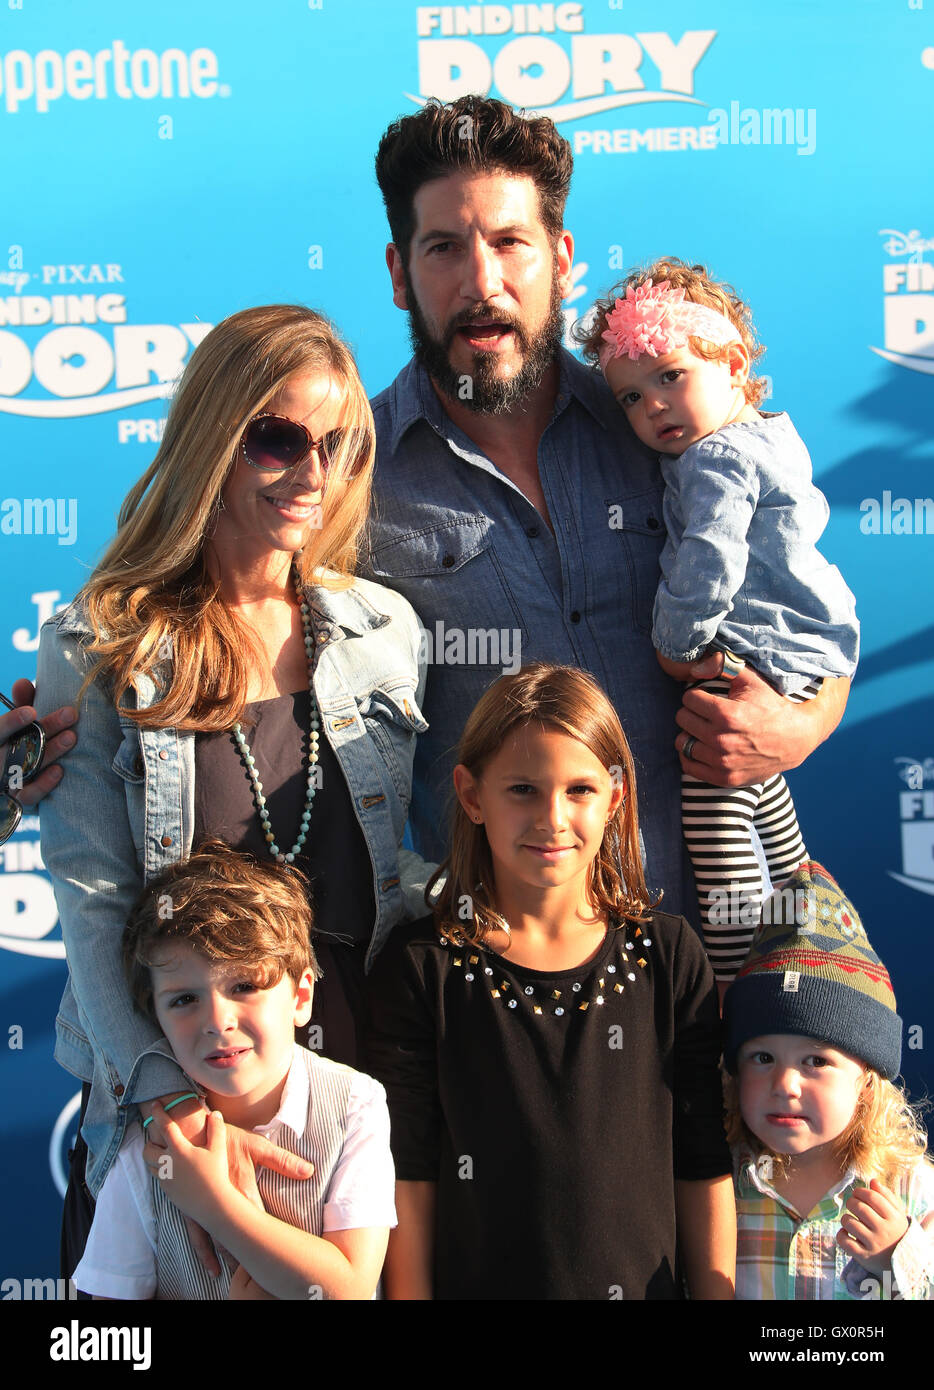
<point>717,824</point>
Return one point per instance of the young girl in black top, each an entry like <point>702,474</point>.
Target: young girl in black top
<point>549,1044</point>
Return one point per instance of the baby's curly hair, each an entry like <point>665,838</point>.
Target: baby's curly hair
<point>885,1136</point>
<point>699,288</point>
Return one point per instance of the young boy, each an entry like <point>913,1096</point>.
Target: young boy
<point>217,951</point>
<point>834,1192</point>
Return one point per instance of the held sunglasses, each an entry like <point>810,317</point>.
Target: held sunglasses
<point>273,443</point>
<point>23,759</point>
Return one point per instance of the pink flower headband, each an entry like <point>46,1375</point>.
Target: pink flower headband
<point>654,319</point>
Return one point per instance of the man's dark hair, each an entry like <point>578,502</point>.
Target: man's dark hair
<point>475,135</point>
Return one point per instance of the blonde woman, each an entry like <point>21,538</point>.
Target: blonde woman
<point>233,680</point>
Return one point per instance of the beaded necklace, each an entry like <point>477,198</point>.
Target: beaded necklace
<point>311,785</point>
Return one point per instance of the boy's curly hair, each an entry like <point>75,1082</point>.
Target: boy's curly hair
<point>228,906</point>
<point>884,1137</point>
<point>699,288</point>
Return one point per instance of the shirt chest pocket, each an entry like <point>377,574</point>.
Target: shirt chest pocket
<point>460,590</point>
<point>637,524</point>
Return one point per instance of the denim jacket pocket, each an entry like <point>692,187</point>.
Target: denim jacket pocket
<point>130,767</point>
<point>638,522</point>
<point>393,720</point>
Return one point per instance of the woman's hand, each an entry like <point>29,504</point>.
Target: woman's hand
<point>58,734</point>
<point>246,1152</point>
<point>872,1225</point>
<point>196,1176</point>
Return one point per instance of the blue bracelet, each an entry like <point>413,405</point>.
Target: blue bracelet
<point>189,1095</point>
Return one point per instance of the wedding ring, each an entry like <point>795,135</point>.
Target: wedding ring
<point>690,743</point>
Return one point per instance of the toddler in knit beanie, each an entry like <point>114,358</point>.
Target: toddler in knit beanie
<point>834,1192</point>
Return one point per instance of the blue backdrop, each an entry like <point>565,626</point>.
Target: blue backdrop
<point>165,166</point>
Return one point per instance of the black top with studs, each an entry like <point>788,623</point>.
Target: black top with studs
<point>553,1109</point>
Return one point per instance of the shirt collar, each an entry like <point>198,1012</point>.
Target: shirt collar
<point>293,1107</point>
<point>415,398</point>
<point>338,612</point>
<point>751,1176</point>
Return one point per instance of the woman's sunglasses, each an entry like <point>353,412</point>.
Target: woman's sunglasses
<point>273,443</point>
<point>21,763</point>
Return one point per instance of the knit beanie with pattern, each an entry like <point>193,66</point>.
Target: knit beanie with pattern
<point>811,970</point>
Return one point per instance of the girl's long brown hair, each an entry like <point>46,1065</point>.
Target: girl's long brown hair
<point>151,602</point>
<point>570,702</point>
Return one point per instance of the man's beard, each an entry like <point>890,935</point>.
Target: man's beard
<point>480,389</point>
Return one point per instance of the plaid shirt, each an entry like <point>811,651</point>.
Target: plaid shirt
<point>781,1256</point>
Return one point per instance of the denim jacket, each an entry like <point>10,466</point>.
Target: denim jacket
<point>125,810</point>
<point>741,566</point>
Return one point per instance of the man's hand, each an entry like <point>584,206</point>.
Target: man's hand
<point>753,732</point>
<point>872,1225</point>
<point>58,734</point>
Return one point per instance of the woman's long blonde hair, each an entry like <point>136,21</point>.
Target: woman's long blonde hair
<point>572,703</point>
<point>151,600</point>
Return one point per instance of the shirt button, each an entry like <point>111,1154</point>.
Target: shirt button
<point>575,616</point>
<point>531,532</point>
<point>448,561</point>
<point>166,840</point>
<point>118,1090</point>
<point>163,754</point>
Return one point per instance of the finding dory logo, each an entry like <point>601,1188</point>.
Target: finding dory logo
<point>70,340</point>
<point>916,808</point>
<point>908,306</point>
<point>536,72</point>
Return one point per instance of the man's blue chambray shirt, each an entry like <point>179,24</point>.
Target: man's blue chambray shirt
<point>495,587</point>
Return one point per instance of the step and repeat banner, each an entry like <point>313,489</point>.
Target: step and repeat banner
<point>164,166</point>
